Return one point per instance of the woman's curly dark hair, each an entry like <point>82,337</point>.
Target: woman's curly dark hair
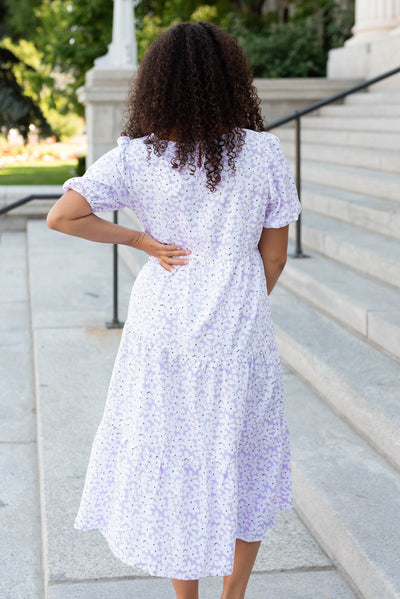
<point>194,82</point>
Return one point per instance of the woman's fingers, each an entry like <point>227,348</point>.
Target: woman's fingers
<point>167,262</point>
<point>166,266</point>
<point>175,260</point>
<point>168,255</point>
<point>179,252</point>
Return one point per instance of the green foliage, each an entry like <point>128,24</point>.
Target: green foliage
<point>67,35</point>
<point>80,168</point>
<point>17,109</point>
<point>34,76</point>
<point>290,50</point>
<point>20,17</point>
<point>298,48</point>
<point>333,18</point>
<point>64,126</point>
<point>151,24</point>
<point>71,34</point>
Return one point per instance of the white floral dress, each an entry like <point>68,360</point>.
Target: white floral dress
<point>193,448</point>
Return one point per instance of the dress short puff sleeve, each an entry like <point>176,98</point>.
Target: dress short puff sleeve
<point>283,205</point>
<point>103,185</point>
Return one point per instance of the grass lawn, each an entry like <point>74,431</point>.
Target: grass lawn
<point>37,173</point>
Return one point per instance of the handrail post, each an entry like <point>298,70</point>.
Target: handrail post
<point>298,182</point>
<point>299,250</point>
<point>115,323</point>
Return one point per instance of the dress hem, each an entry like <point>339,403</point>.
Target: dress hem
<point>159,573</point>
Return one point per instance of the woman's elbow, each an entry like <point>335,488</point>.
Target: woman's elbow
<point>278,261</point>
<point>54,221</point>
<point>280,264</point>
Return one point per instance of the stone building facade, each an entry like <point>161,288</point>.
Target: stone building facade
<point>375,45</point>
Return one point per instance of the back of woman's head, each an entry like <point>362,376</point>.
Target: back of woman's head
<point>194,83</point>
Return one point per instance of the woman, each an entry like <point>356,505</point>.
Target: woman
<point>190,462</point>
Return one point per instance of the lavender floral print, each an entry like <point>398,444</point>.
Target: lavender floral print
<point>193,448</point>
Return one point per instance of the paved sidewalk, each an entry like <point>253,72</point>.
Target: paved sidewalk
<point>20,538</point>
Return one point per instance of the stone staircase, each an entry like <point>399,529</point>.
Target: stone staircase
<point>337,318</point>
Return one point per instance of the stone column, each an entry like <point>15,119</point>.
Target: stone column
<point>104,96</point>
<point>373,20</point>
<point>374,47</point>
<point>396,31</point>
<point>122,52</point>
<point>106,85</point>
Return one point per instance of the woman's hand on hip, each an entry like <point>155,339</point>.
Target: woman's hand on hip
<point>73,215</point>
<point>167,254</point>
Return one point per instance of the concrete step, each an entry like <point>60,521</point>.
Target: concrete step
<point>20,541</point>
<point>369,253</point>
<point>377,110</point>
<point>12,193</point>
<point>378,124</point>
<point>71,292</point>
<point>324,584</point>
<point>346,493</point>
<point>373,214</point>
<point>369,307</point>
<point>70,407</point>
<point>356,380</point>
<point>359,139</point>
<point>87,298</point>
<point>366,158</point>
<point>370,182</point>
<point>16,219</point>
<point>373,97</point>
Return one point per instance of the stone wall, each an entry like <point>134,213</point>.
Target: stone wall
<point>105,91</point>
<point>281,97</point>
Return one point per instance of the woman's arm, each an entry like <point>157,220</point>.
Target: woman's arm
<point>72,214</point>
<point>273,249</point>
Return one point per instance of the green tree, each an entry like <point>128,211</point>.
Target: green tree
<point>334,19</point>
<point>70,34</point>
<point>18,18</point>
<point>17,110</point>
<point>20,81</point>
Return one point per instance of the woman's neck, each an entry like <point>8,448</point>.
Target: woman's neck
<point>172,134</point>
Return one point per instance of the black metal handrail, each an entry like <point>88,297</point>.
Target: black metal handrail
<point>115,323</point>
<point>43,196</point>
<point>296,116</point>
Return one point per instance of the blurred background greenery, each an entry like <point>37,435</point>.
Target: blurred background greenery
<point>46,47</point>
